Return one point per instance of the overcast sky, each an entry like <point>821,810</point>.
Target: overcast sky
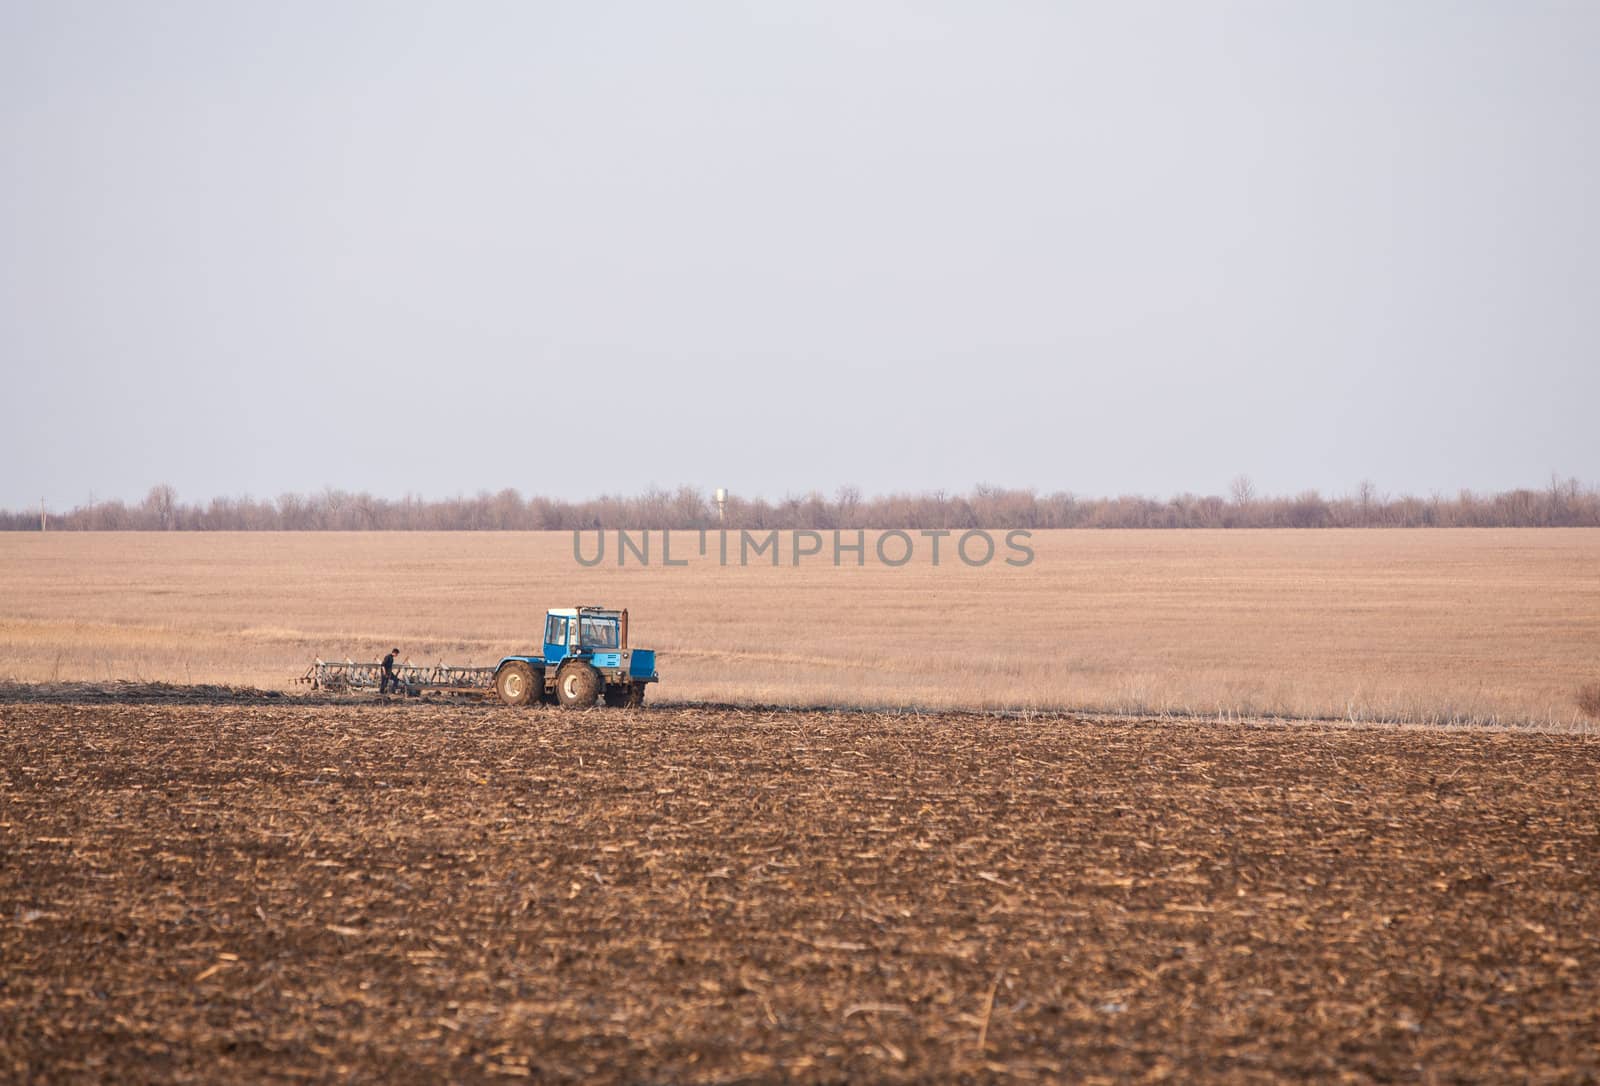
<point>590,247</point>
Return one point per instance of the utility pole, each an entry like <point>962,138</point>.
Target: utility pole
<point>42,524</point>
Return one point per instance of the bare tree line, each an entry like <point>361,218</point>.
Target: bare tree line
<point>1562,504</point>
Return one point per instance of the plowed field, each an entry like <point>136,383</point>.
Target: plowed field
<point>227,890</point>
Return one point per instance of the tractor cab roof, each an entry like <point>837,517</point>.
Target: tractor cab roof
<point>573,612</point>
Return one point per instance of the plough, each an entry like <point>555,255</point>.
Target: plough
<point>415,679</point>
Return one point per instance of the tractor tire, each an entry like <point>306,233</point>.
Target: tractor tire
<point>516,685</point>
<point>615,696</point>
<point>636,695</point>
<point>577,686</point>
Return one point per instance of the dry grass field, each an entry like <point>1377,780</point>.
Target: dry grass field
<point>1423,625</point>
<point>280,891</point>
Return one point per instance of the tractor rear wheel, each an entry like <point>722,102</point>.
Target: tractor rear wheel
<point>515,684</point>
<point>577,686</point>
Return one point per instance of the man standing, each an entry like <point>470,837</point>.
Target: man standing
<point>389,680</point>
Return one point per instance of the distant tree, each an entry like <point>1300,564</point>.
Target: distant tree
<point>1366,501</point>
<point>1308,511</point>
<point>293,512</point>
<point>160,505</point>
<point>689,509</point>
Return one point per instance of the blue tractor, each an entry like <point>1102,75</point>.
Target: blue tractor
<point>586,659</point>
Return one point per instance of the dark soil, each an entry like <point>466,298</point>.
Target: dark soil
<point>258,888</point>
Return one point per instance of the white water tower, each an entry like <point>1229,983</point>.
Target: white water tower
<point>721,498</point>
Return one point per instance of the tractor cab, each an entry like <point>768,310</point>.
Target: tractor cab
<point>581,631</point>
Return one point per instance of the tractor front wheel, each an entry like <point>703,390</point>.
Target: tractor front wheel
<point>515,684</point>
<point>577,686</point>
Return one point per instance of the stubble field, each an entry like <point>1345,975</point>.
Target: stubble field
<point>1430,625</point>
<point>266,889</point>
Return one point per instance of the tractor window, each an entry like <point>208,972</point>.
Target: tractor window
<point>555,631</point>
<point>599,633</point>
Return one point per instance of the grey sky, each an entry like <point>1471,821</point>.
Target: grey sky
<point>588,247</point>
